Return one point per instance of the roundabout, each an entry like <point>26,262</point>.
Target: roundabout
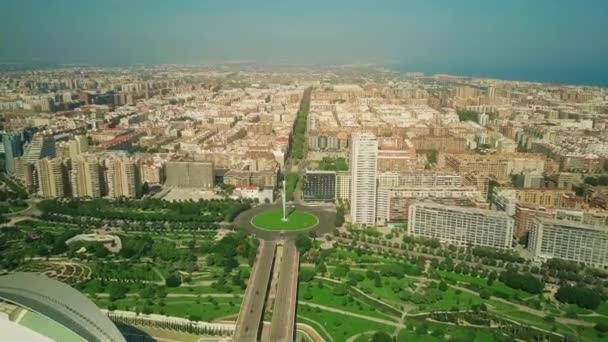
<point>265,221</point>
<point>297,220</point>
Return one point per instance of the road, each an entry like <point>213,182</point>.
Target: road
<point>252,308</point>
<point>284,311</point>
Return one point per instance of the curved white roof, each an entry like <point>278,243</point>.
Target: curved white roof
<point>61,303</point>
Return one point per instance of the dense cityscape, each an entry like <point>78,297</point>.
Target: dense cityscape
<point>319,204</point>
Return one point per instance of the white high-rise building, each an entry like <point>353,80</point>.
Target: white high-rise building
<point>363,161</point>
<point>568,240</point>
<point>461,226</point>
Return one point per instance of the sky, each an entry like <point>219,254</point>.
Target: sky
<point>550,40</point>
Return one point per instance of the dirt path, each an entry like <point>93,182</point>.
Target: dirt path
<point>311,329</point>
<point>354,337</point>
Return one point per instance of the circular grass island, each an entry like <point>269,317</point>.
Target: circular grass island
<point>273,220</point>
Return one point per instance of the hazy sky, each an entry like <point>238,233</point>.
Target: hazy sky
<point>557,37</point>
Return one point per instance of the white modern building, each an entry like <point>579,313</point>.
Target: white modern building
<point>363,161</point>
<point>461,226</point>
<point>569,240</point>
<point>343,185</point>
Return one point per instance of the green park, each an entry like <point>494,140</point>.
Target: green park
<point>355,284</point>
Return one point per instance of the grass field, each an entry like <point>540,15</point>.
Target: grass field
<point>340,327</point>
<point>441,332</point>
<point>296,220</point>
<point>325,296</point>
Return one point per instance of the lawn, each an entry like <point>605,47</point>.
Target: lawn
<point>602,309</point>
<point>273,220</point>
<point>202,290</point>
<point>341,327</point>
<point>325,296</point>
<point>442,332</point>
<point>481,283</point>
<point>386,292</point>
<point>534,321</point>
<point>15,208</point>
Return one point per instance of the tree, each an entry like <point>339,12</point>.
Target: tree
<point>100,251</point>
<point>341,270</point>
<point>339,216</point>
<point>173,280</point>
<point>601,326</point>
<point>148,291</point>
<point>117,291</point>
<point>549,318</point>
<point>526,282</point>
<point>307,275</point>
<point>431,156</point>
<point>145,188</point>
<point>491,278</point>
<point>468,115</point>
<point>579,295</point>
<point>307,294</point>
<point>381,336</point>
<point>484,294</point>
<point>321,268</point>
<point>303,243</point>
<point>443,286</point>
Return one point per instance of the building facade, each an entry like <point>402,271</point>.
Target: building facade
<point>86,177</point>
<point>319,186</point>
<point>51,178</point>
<point>342,186</point>
<point>393,202</point>
<point>189,174</point>
<point>123,178</point>
<point>13,148</point>
<point>568,240</point>
<point>363,160</point>
<point>461,226</point>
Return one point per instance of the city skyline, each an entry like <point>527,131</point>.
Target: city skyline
<point>313,171</point>
<point>546,41</point>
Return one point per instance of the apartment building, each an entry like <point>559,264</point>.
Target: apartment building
<point>87,177</point>
<point>343,185</point>
<point>363,166</point>
<point>189,174</point>
<point>393,202</point>
<point>500,166</point>
<point>461,226</point>
<point>319,186</point>
<point>569,240</point>
<point>123,178</point>
<point>51,178</point>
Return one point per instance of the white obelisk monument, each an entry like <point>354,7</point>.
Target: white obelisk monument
<point>284,202</point>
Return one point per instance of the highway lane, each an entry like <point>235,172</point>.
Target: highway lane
<point>252,308</point>
<point>284,311</point>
